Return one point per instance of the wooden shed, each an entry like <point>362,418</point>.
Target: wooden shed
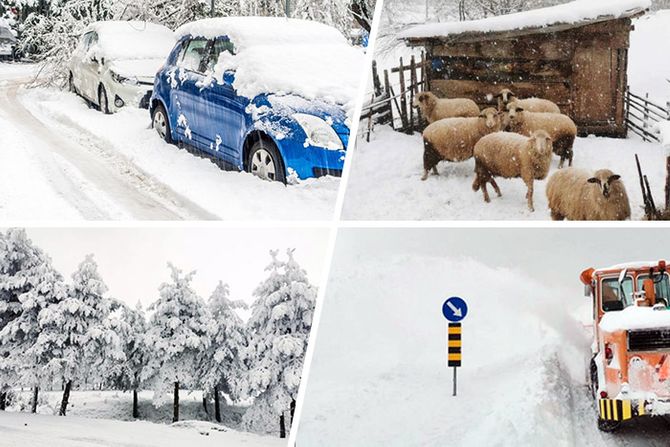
<point>575,54</point>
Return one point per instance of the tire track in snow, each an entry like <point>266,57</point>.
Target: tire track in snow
<point>100,182</point>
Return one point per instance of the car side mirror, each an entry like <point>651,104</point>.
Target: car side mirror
<point>609,306</point>
<point>229,77</point>
<point>587,290</point>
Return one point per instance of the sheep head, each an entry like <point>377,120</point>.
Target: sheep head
<point>541,142</point>
<point>506,95</point>
<point>426,99</point>
<point>604,179</point>
<point>492,117</point>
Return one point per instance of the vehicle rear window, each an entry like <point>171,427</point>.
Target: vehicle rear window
<point>194,56</point>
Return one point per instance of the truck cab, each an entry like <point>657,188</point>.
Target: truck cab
<point>630,365</point>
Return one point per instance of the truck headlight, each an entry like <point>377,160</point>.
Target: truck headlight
<point>122,79</point>
<point>319,133</point>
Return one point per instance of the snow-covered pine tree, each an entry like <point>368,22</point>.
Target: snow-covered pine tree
<point>222,366</point>
<point>131,326</point>
<point>40,286</point>
<point>77,332</point>
<point>278,332</point>
<point>28,285</point>
<point>179,332</point>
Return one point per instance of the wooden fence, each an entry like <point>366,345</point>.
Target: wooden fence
<point>392,102</point>
<point>642,114</point>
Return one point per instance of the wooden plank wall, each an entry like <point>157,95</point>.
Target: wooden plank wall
<point>580,69</point>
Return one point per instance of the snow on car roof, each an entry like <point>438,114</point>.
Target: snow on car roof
<point>252,31</point>
<point>567,13</point>
<point>132,39</point>
<point>285,56</point>
<point>634,317</point>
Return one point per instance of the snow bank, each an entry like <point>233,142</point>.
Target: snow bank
<point>634,317</point>
<point>285,56</point>
<point>573,12</point>
<point>132,40</point>
<point>378,376</point>
<point>663,129</point>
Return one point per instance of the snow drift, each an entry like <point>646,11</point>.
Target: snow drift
<point>378,377</point>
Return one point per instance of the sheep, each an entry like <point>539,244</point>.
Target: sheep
<point>511,155</point>
<point>537,105</point>
<point>434,108</point>
<point>575,194</point>
<point>453,139</point>
<point>561,128</point>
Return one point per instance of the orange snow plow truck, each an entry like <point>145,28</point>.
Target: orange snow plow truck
<point>630,366</point>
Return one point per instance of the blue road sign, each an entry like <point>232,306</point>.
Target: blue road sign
<point>454,309</point>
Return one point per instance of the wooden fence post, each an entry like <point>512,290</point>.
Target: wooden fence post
<point>375,79</point>
<point>412,90</point>
<point>403,97</point>
<point>645,116</point>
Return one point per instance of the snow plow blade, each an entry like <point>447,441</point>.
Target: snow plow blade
<point>621,410</point>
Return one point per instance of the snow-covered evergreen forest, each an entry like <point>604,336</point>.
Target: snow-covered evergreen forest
<point>69,334</point>
<point>48,29</point>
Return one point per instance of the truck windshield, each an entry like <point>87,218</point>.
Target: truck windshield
<point>615,297</point>
<point>662,287</point>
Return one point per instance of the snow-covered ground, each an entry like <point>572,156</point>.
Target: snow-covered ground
<point>62,160</point>
<point>378,376</point>
<point>385,180</point>
<point>103,418</point>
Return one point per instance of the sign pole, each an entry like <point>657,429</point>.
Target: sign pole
<point>454,381</point>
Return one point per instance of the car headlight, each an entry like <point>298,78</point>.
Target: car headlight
<point>319,133</point>
<point>122,79</point>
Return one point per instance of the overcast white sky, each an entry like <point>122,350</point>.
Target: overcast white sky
<point>133,261</point>
<point>554,255</point>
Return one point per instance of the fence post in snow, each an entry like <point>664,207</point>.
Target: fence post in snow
<point>403,97</point>
<point>646,116</point>
<point>412,90</point>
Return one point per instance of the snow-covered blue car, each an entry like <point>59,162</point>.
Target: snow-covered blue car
<point>271,96</point>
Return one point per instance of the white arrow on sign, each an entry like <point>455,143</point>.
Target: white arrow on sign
<point>454,309</point>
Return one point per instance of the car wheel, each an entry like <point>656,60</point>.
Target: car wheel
<point>102,100</point>
<point>608,426</point>
<point>159,121</point>
<point>265,162</point>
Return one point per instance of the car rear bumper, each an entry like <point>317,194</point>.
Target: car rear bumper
<point>624,409</point>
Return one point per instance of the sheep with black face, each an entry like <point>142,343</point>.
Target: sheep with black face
<point>575,194</point>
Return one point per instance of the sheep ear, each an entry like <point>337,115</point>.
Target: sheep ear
<point>482,114</point>
<point>613,178</point>
<point>519,109</point>
<point>594,180</point>
<point>512,94</point>
<point>499,95</point>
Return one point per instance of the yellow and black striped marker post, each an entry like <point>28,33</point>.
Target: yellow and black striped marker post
<point>454,348</point>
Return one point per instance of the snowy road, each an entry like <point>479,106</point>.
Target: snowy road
<point>96,181</point>
<point>63,160</point>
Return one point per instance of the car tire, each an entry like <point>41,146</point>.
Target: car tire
<point>160,122</point>
<point>608,426</point>
<point>103,101</point>
<point>265,162</point>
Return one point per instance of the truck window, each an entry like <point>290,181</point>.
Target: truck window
<point>662,287</point>
<point>611,294</point>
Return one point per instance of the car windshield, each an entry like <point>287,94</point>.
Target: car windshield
<point>661,286</point>
<point>615,296</point>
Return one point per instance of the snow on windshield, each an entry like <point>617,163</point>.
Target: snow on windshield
<point>132,40</point>
<point>573,12</point>
<point>285,56</point>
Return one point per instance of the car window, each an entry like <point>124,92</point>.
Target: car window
<point>222,44</point>
<point>661,286</point>
<point>615,297</point>
<point>194,56</point>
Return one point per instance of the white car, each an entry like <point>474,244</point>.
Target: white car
<point>115,62</point>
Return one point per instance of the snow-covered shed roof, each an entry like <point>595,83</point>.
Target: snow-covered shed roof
<point>551,19</point>
<point>6,31</point>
